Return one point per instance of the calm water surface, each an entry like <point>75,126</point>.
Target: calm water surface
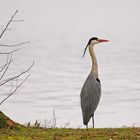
<point>58,32</point>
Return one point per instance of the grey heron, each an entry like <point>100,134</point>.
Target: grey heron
<point>91,90</point>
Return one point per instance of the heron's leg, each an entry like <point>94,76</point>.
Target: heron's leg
<point>87,126</point>
<point>93,120</point>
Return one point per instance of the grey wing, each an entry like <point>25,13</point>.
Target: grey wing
<point>90,96</point>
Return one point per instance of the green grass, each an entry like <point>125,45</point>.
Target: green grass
<point>32,133</point>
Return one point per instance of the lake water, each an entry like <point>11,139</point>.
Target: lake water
<point>58,32</point>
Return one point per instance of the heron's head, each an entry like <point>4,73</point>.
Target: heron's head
<point>93,41</point>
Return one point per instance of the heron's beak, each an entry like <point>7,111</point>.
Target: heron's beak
<point>103,40</point>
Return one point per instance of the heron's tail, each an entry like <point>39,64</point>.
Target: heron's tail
<point>86,119</point>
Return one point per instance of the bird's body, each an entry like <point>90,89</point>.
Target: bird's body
<point>91,90</point>
<point>90,96</point>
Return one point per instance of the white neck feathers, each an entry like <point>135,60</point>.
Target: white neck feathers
<point>94,69</point>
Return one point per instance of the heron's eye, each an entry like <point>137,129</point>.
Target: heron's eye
<point>98,80</point>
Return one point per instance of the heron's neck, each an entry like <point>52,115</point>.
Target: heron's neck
<point>94,69</point>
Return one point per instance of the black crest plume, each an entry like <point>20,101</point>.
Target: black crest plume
<point>93,38</point>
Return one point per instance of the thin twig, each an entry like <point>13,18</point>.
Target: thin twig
<point>54,118</point>
<point>14,90</point>
<point>2,67</point>
<point>14,45</point>
<point>17,76</point>
<point>8,24</point>
<point>19,20</point>
<point>8,29</point>
<point>10,51</point>
<point>6,68</point>
<point>68,123</point>
<point>1,27</point>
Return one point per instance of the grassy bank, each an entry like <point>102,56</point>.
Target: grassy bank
<point>10,130</point>
<point>31,133</point>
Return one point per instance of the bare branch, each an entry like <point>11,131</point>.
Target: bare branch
<point>14,45</point>
<point>12,92</point>
<point>6,68</point>
<point>17,76</point>
<point>10,51</point>
<point>2,67</point>
<point>8,24</point>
